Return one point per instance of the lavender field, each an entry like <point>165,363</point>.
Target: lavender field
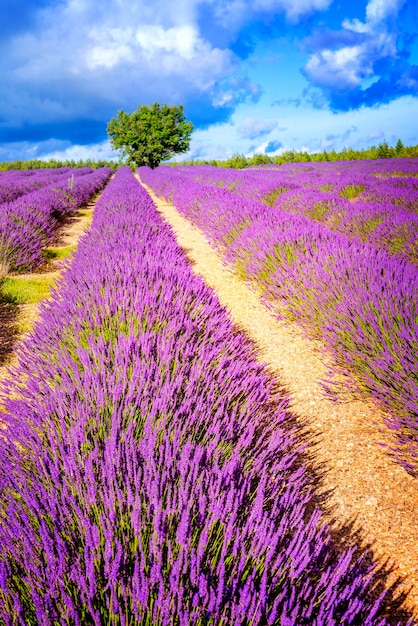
<point>333,247</point>
<point>31,206</point>
<point>151,471</point>
<point>375,201</point>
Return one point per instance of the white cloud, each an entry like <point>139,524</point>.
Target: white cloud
<point>356,26</point>
<point>109,48</point>
<point>379,10</point>
<point>233,14</point>
<point>251,128</point>
<point>97,151</point>
<point>293,9</point>
<point>236,89</point>
<point>83,60</point>
<point>261,149</point>
<point>85,57</point>
<point>182,41</point>
<point>345,67</point>
<point>76,37</point>
<point>175,51</point>
<point>351,66</point>
<point>59,150</point>
<point>205,149</point>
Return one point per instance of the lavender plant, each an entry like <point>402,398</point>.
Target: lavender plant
<point>27,224</point>
<point>353,198</point>
<point>345,290</point>
<point>150,472</point>
<point>14,184</point>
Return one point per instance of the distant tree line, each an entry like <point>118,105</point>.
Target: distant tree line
<point>382,151</point>
<point>37,164</point>
<point>239,161</point>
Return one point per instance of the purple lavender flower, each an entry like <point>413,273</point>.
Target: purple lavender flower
<point>137,452</point>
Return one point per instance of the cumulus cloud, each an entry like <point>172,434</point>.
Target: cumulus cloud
<point>346,67</point>
<point>361,64</point>
<point>58,149</point>
<point>83,60</point>
<point>206,149</point>
<point>378,10</point>
<point>16,150</point>
<point>114,44</point>
<point>253,128</point>
<point>272,148</point>
<point>232,91</point>
<point>293,9</point>
<point>59,152</point>
<point>69,65</point>
<point>236,13</point>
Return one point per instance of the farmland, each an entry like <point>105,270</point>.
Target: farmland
<point>32,207</point>
<point>332,247</point>
<point>152,471</point>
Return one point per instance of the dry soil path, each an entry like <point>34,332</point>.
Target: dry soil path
<point>16,325</point>
<point>364,486</point>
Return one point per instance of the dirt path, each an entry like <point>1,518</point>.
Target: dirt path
<point>364,486</point>
<point>17,320</point>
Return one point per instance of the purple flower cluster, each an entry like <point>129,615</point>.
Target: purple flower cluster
<point>150,472</point>
<point>14,184</point>
<point>374,201</point>
<point>362,302</point>
<point>27,224</point>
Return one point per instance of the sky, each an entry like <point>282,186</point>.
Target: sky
<point>254,76</point>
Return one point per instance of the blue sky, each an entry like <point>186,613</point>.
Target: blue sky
<point>253,75</point>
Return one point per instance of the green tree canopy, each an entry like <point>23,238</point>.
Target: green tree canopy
<point>150,134</point>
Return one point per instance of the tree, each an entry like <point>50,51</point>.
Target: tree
<point>236,161</point>
<point>150,134</point>
<point>383,150</point>
<point>260,159</point>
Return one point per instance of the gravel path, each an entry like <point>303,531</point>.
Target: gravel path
<point>15,317</point>
<point>365,488</point>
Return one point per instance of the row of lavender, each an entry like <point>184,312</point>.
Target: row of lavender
<point>27,224</point>
<point>371,201</point>
<point>17,183</point>
<point>149,472</point>
<point>361,302</point>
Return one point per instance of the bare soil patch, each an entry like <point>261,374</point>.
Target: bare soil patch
<point>8,331</point>
<point>17,319</point>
